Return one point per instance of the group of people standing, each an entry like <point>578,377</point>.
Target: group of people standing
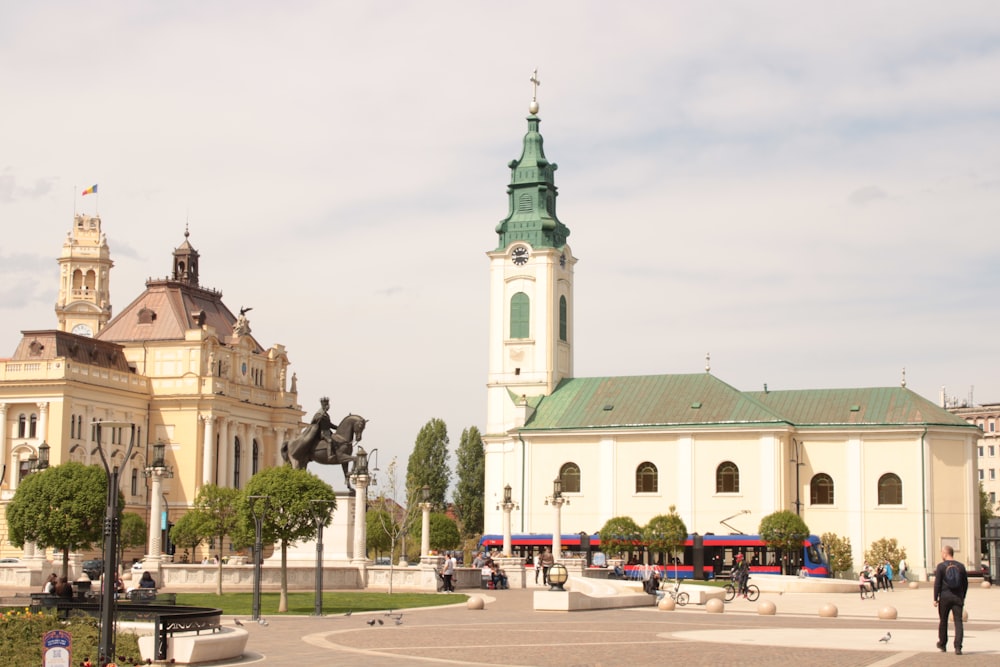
<point>878,578</point>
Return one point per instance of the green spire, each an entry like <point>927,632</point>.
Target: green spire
<point>532,196</point>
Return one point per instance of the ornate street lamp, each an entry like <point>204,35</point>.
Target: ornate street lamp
<point>557,500</point>
<point>106,650</point>
<point>320,519</point>
<point>43,456</point>
<point>157,470</point>
<point>257,512</point>
<point>508,505</point>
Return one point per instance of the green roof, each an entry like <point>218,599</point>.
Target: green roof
<point>647,401</point>
<point>873,406</point>
<point>702,400</point>
<point>531,215</point>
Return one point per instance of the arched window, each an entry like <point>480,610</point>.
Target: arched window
<point>569,474</point>
<point>236,464</point>
<point>562,318</point>
<point>727,478</point>
<point>821,489</point>
<point>22,425</point>
<point>135,481</point>
<point>520,317</point>
<point>255,461</point>
<point>646,478</point>
<point>32,426</point>
<point>890,489</point>
<point>78,454</point>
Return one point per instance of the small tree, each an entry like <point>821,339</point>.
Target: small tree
<point>885,549</point>
<point>985,509</point>
<point>284,497</point>
<point>390,522</point>
<point>619,534</point>
<point>217,508</point>
<point>838,550</point>
<point>189,532</point>
<point>133,534</point>
<point>666,532</point>
<point>62,507</point>
<point>444,532</point>
<point>784,531</point>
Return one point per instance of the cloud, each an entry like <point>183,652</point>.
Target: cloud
<point>867,195</point>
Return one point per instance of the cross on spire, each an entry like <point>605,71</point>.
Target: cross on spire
<point>535,83</point>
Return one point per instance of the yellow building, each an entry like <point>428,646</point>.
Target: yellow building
<point>176,363</point>
<point>863,463</point>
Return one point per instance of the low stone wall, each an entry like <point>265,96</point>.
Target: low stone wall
<point>240,577</point>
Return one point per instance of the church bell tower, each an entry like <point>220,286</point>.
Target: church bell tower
<point>84,304</point>
<point>531,289</point>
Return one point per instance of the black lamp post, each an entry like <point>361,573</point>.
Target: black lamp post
<point>258,546</point>
<point>43,456</point>
<point>106,649</point>
<point>320,520</point>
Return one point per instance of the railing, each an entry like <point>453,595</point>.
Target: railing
<point>167,619</point>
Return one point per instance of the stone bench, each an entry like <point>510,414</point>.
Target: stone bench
<point>185,649</point>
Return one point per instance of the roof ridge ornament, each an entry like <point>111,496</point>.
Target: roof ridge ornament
<point>535,83</point>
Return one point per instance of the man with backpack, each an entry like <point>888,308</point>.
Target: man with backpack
<point>951,583</point>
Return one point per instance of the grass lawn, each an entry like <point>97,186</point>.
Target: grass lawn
<point>241,604</point>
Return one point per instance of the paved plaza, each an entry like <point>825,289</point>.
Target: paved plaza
<point>509,632</point>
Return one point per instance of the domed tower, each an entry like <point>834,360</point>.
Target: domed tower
<point>84,303</point>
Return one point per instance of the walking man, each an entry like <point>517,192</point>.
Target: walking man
<point>951,583</point>
<point>546,560</point>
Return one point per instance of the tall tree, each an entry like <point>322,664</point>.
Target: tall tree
<point>838,550</point>
<point>471,487</point>
<point>666,532</point>
<point>428,464</point>
<point>217,509</point>
<point>284,497</point>
<point>785,531</point>
<point>62,507</point>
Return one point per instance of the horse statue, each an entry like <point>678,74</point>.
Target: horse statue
<point>310,445</point>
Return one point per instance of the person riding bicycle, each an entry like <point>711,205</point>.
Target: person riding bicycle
<point>741,573</point>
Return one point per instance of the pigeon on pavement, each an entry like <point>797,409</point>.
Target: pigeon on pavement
<point>886,638</point>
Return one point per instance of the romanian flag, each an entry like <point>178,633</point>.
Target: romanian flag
<point>91,190</point>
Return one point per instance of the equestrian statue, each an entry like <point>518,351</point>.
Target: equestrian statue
<point>325,443</point>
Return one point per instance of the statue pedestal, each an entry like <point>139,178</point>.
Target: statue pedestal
<point>338,538</point>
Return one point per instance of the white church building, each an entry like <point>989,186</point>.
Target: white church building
<point>864,463</point>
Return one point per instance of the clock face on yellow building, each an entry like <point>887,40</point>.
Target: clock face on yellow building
<point>83,330</point>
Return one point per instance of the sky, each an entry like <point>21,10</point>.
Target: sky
<point>807,192</point>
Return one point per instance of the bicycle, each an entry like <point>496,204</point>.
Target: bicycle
<point>676,594</point>
<point>752,592</point>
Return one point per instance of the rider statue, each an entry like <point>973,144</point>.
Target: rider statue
<point>326,427</point>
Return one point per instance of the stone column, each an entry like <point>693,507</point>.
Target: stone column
<point>4,456</point>
<point>425,530</point>
<point>557,535</point>
<point>208,451</point>
<point>360,554</point>
<point>507,507</point>
<point>155,511</point>
<point>223,477</point>
<point>43,421</point>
